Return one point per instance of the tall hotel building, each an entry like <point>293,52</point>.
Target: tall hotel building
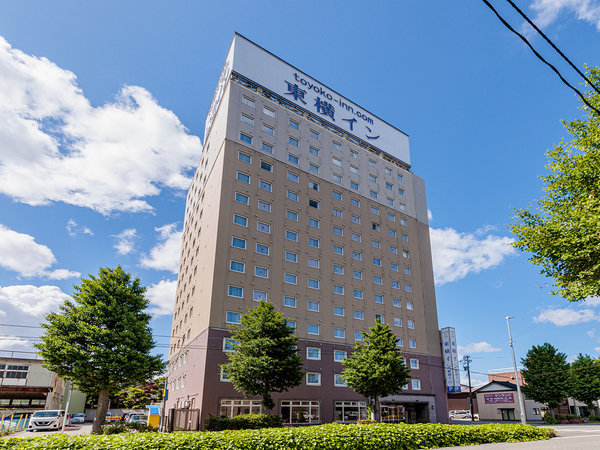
<point>306,200</point>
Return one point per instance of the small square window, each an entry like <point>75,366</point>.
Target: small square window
<point>262,249</point>
<point>356,220</point>
<point>410,306</point>
<point>412,343</point>
<point>313,262</point>
<point>313,353</point>
<point>265,186</point>
<point>293,141</point>
<point>292,196</point>
<point>266,166</point>
<point>241,198</point>
<point>337,213</point>
<point>378,298</point>
<point>313,284</point>
<point>336,162</point>
<point>380,318</point>
<point>338,269</point>
<point>313,168</point>
<point>313,222</point>
<point>393,250</point>
<point>233,317</point>
<point>290,235</point>
<point>403,222</point>
<point>395,284</point>
<point>396,302</point>
<point>294,125</point>
<point>405,254</point>
<point>358,336</point>
<point>236,266</point>
<point>410,324</point>
<point>358,314</point>
<point>240,220</point>
<point>394,267</point>
<point>261,272</point>
<point>245,138</point>
<point>377,279</point>
<point>338,380</point>
<point>357,293</point>
<point>401,191</point>
<point>373,194</point>
<point>312,306</point>
<point>290,278</point>
<point>259,296</point>
<point>291,215</point>
<point>264,206</point>
<point>375,226</point>
<point>269,112</point>
<point>339,355</point>
<point>414,363</point>
<point>391,218</point>
<point>354,185</point>
<point>416,385</point>
<point>372,178</point>
<point>357,256</point>
<point>239,243</point>
<point>355,202</point>
<point>291,324</point>
<point>313,203</point>
<point>247,119</point>
<point>293,158</point>
<point>376,262</point>
<point>390,201</point>
<point>397,321</point>
<point>337,178</point>
<point>264,227</point>
<point>248,101</point>
<point>374,210</point>
<point>269,130</point>
<point>291,257</point>
<point>336,145</point>
<point>338,250</point>
<point>389,186</point>
<point>229,345</point>
<point>313,151</point>
<point>372,163</point>
<point>408,287</point>
<point>400,342</point>
<point>405,237</point>
<point>353,154</point>
<point>313,379</point>
<point>388,171</point>
<point>354,170</point>
<point>312,328</point>
<point>339,333</point>
<point>314,134</point>
<point>244,157</point>
<point>336,195</point>
<point>314,186</point>
<point>357,274</point>
<point>312,242</point>
<point>267,147</point>
<point>293,177</point>
<point>356,237</point>
<point>392,233</point>
<point>338,310</point>
<point>290,302</point>
<point>337,289</point>
<point>376,244</point>
<point>407,271</point>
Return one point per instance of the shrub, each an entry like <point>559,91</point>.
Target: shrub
<point>594,418</point>
<point>126,427</point>
<point>242,422</point>
<point>378,436</point>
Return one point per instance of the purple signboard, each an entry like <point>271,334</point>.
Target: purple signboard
<point>492,399</point>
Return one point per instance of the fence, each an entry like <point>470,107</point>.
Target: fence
<point>14,422</point>
<point>183,420</point>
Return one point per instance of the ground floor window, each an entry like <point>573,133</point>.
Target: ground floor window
<point>232,408</point>
<point>350,411</point>
<point>300,411</point>
<point>393,413</point>
<point>508,414</point>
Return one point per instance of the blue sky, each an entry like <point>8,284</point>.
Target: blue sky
<point>102,108</point>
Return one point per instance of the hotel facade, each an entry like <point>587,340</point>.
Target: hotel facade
<point>306,200</point>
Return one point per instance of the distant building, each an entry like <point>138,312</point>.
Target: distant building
<point>26,386</point>
<point>498,401</point>
<point>459,400</point>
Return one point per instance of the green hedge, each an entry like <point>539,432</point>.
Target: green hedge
<point>324,437</point>
<point>243,422</point>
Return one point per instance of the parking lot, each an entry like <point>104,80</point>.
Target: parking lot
<point>74,430</point>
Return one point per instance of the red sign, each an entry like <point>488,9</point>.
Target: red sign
<point>492,399</point>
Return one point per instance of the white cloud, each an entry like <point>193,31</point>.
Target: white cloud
<point>429,215</point>
<point>591,333</point>
<point>478,347</point>
<point>23,255</point>
<point>597,349</point>
<point>165,255</point>
<point>30,300</point>
<point>547,11</point>
<point>162,297</point>
<point>73,229</point>
<point>124,243</point>
<point>56,147</point>
<point>592,301</point>
<point>456,255</point>
<point>564,316</point>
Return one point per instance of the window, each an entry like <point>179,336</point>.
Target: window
<point>229,345</point>
<point>312,306</point>
<point>236,266</point>
<point>239,243</point>
<point>248,101</point>
<point>354,185</point>
<point>293,141</point>
<point>264,227</point>
<point>337,212</point>
<point>262,249</point>
<point>376,244</point>
<point>313,203</point>
<point>266,166</point>
<point>313,284</point>
<point>339,333</point>
<point>375,226</point>
<point>291,215</point>
<point>355,202</point>
<point>314,134</point>
<point>358,314</point>
<point>354,170</point>
<point>269,112</point>
<point>357,293</point>
<point>313,168</point>
<point>410,306</point>
<point>358,336</point>
<point>314,186</point>
<point>265,186</point>
<point>400,177</point>
<point>373,194</point>
<point>337,178</point>
<point>267,129</point>
<point>240,220</point>
<point>267,147</point>
<point>338,250</point>
<point>394,267</point>
<point>338,310</point>
<point>378,298</point>
<point>396,302</point>
<point>336,162</point>
<point>225,376</point>
<point>337,289</point>
<point>403,222</point>
<point>245,138</point>
<point>293,158</point>
<point>405,253</point>
<point>312,262</point>
<point>410,324</point>
<point>339,355</point>
<point>264,206</point>
<point>395,284</point>
<point>376,262</point>
<point>247,119</point>
<point>293,177</point>
<point>400,342</point>
<point>353,154</point>
<point>233,317</point>
<point>312,328</point>
<point>372,163</point>
<point>290,278</point>
<point>338,380</point>
<point>312,242</point>
<point>374,210</point>
<point>377,279</point>
<point>313,151</point>
<point>356,220</point>
<point>291,324</point>
<point>389,186</point>
<point>338,231</point>
<point>313,222</point>
<point>416,385</point>
<point>336,145</point>
<point>392,218</point>
<point>407,271</point>
<point>408,287</point>
<point>292,196</point>
<point>405,237</point>
<point>244,157</point>
<point>338,269</point>
<point>372,178</point>
<point>357,256</point>
<point>232,408</point>
<point>313,353</point>
<point>289,301</point>
<point>412,343</point>
<point>397,322</point>
<point>393,250</point>
<point>380,318</point>
<point>313,379</point>
<point>294,125</point>
<point>259,296</point>
<point>241,198</point>
<point>291,257</point>
<point>390,201</point>
<point>261,272</point>
<point>414,363</point>
<point>357,274</point>
<point>392,233</point>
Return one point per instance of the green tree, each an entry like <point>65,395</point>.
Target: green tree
<point>376,367</point>
<point>563,231</point>
<point>545,375</point>
<point>265,359</point>
<point>101,340</point>
<point>585,380</point>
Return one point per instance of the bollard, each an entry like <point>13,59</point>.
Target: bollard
<point>19,422</point>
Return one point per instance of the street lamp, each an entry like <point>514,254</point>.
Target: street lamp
<point>510,341</point>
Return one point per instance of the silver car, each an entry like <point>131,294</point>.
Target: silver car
<point>51,419</point>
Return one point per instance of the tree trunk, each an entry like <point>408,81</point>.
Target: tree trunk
<point>377,409</point>
<point>100,412</point>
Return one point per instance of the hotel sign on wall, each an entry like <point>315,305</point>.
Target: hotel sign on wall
<point>265,69</point>
<point>493,399</point>
<point>451,368</point>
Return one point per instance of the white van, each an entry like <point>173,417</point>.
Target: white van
<point>51,419</point>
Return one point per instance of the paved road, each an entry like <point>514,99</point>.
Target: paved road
<point>570,437</point>
<point>74,430</point>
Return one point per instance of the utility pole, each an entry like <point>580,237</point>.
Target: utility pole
<point>67,406</point>
<point>510,341</point>
<point>467,367</point>
<point>162,424</point>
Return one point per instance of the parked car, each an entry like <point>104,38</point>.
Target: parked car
<point>138,418</point>
<point>51,419</point>
<point>78,418</point>
<point>460,414</point>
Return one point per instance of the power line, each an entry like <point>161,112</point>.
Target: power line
<point>540,57</point>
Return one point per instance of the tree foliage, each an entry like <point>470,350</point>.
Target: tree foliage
<point>376,367</point>
<point>546,375</point>
<point>265,359</point>
<point>101,340</point>
<point>563,235</point>
<point>585,379</point>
